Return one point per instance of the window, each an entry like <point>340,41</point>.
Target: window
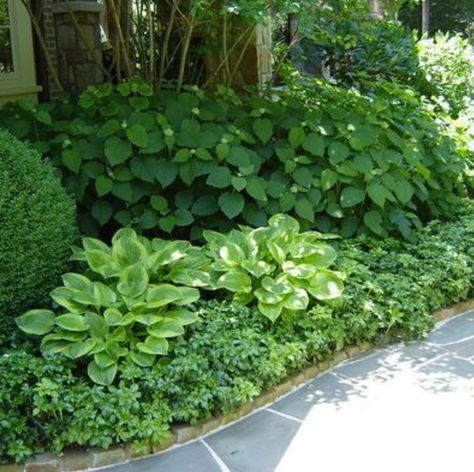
<point>6,49</point>
<point>17,66</point>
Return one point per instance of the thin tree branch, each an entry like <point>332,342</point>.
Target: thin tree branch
<point>241,58</point>
<point>166,40</point>
<point>185,50</point>
<point>231,50</point>
<point>122,41</point>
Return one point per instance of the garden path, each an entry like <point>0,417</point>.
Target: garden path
<point>408,407</point>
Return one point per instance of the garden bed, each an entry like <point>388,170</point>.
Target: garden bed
<point>234,359</point>
<point>84,459</point>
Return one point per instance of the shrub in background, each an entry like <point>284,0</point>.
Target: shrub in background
<point>448,63</point>
<point>462,128</point>
<point>37,228</point>
<point>358,48</point>
<point>178,163</point>
<point>389,163</point>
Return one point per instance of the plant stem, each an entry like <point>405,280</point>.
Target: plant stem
<point>185,50</point>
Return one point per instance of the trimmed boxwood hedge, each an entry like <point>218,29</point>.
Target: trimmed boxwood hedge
<point>233,353</point>
<point>37,228</point>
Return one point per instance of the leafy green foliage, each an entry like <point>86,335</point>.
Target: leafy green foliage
<point>445,17</point>
<point>276,265</point>
<point>356,47</point>
<point>335,159</point>
<point>37,226</point>
<point>448,62</point>
<point>232,353</point>
<point>126,306</point>
<point>43,405</point>
<point>378,178</point>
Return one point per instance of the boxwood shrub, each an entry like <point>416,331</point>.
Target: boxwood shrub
<point>176,163</point>
<point>233,353</point>
<point>37,228</point>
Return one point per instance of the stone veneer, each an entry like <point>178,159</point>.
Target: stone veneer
<point>78,47</point>
<point>70,56</point>
<point>84,459</point>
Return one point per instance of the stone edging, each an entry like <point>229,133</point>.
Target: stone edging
<point>93,458</point>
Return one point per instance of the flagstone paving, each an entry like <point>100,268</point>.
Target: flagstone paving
<point>408,407</point>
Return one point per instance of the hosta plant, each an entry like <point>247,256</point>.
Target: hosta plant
<point>127,304</point>
<point>276,265</point>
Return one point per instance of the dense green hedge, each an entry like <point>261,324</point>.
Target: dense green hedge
<point>233,353</point>
<point>37,228</point>
<point>176,163</point>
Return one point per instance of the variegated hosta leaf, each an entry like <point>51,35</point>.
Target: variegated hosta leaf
<point>271,311</point>
<point>258,268</point>
<point>235,281</point>
<point>128,251</point>
<point>166,328</point>
<point>133,281</point>
<point>280,286</point>
<point>326,285</point>
<point>161,295</point>
<point>167,252</point>
<point>92,244</point>
<point>190,277</point>
<point>102,376</point>
<point>269,298</point>
<point>102,263</point>
<point>298,300</point>
<point>299,271</point>
<point>72,322</point>
<point>154,346</point>
<point>284,223</point>
<point>37,322</point>
<point>113,317</point>
<point>277,252</point>
<point>79,349</point>
<point>232,254</point>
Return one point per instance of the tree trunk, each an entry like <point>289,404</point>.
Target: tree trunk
<point>425,16</point>
<point>377,8</point>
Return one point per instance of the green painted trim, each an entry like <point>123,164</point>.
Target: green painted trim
<point>27,94</point>
<point>19,90</point>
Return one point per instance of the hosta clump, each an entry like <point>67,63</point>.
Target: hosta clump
<point>126,305</point>
<point>276,265</point>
